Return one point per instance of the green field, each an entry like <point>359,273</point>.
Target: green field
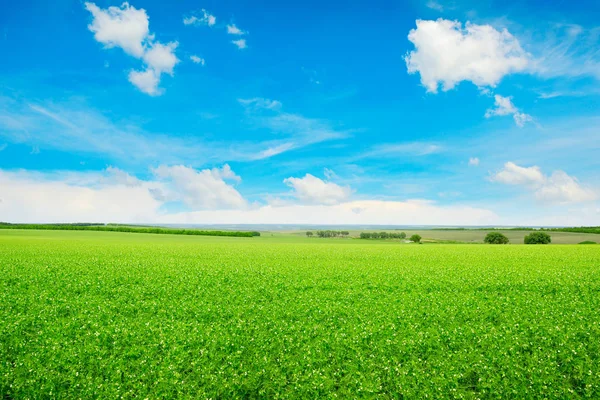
<point>471,235</point>
<point>102,315</point>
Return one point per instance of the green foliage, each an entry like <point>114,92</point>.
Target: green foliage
<point>587,242</point>
<point>98,315</point>
<point>537,238</point>
<point>495,238</point>
<point>125,228</point>
<point>309,234</point>
<point>582,229</point>
<point>382,235</point>
<point>415,238</point>
<point>330,234</point>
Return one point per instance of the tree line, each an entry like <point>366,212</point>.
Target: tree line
<point>382,235</point>
<point>328,234</point>
<point>129,229</point>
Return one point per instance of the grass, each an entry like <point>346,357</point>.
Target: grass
<point>473,235</point>
<point>107,315</point>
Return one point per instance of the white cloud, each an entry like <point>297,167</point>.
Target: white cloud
<point>120,177</point>
<point>273,151</point>
<point>234,30</point>
<point>205,189</point>
<point>447,54</point>
<point>399,149</point>
<point>505,106</point>
<point>146,81</point>
<point>261,103</point>
<point>124,27</point>
<point>86,197</point>
<point>73,126</point>
<point>367,212</point>
<point>34,197</point>
<point>115,196</point>
<point>434,5</point>
<point>197,60</point>
<point>568,50</point>
<point>161,57</point>
<point>556,188</point>
<point>473,161</point>
<point>128,28</point>
<point>301,131</point>
<point>206,19</point>
<point>312,190</point>
<point>241,43</point>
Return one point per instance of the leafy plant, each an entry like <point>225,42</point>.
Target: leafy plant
<point>537,238</point>
<point>415,238</point>
<point>495,238</point>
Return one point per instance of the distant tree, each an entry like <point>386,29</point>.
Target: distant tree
<point>495,238</point>
<point>365,235</point>
<point>402,235</point>
<point>537,238</point>
<point>384,235</point>
<point>345,233</point>
<point>309,234</point>
<point>415,238</point>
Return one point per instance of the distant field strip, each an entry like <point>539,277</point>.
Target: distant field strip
<point>110,315</point>
<point>128,229</point>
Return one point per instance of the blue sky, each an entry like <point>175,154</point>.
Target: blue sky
<point>438,112</point>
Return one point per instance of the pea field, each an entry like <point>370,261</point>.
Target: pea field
<point>107,315</point>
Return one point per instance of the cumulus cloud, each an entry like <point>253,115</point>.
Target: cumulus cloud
<point>120,177</point>
<point>79,197</point>
<point>197,60</point>
<point>558,187</point>
<point>232,29</point>
<point>128,28</point>
<point>114,195</point>
<point>124,27</point>
<point>241,43</point>
<point>205,19</point>
<point>73,197</point>
<point>504,106</point>
<point>205,189</point>
<point>473,161</point>
<point>446,54</point>
<point>312,190</point>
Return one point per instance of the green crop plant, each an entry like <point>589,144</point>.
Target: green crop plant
<point>102,315</point>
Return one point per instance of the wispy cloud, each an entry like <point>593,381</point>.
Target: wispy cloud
<point>434,5</point>
<point>75,127</point>
<point>567,50</point>
<point>396,149</point>
<point>300,131</point>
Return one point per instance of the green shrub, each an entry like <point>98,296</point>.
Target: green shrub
<point>537,238</point>
<point>587,242</point>
<point>495,238</point>
<point>415,238</point>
